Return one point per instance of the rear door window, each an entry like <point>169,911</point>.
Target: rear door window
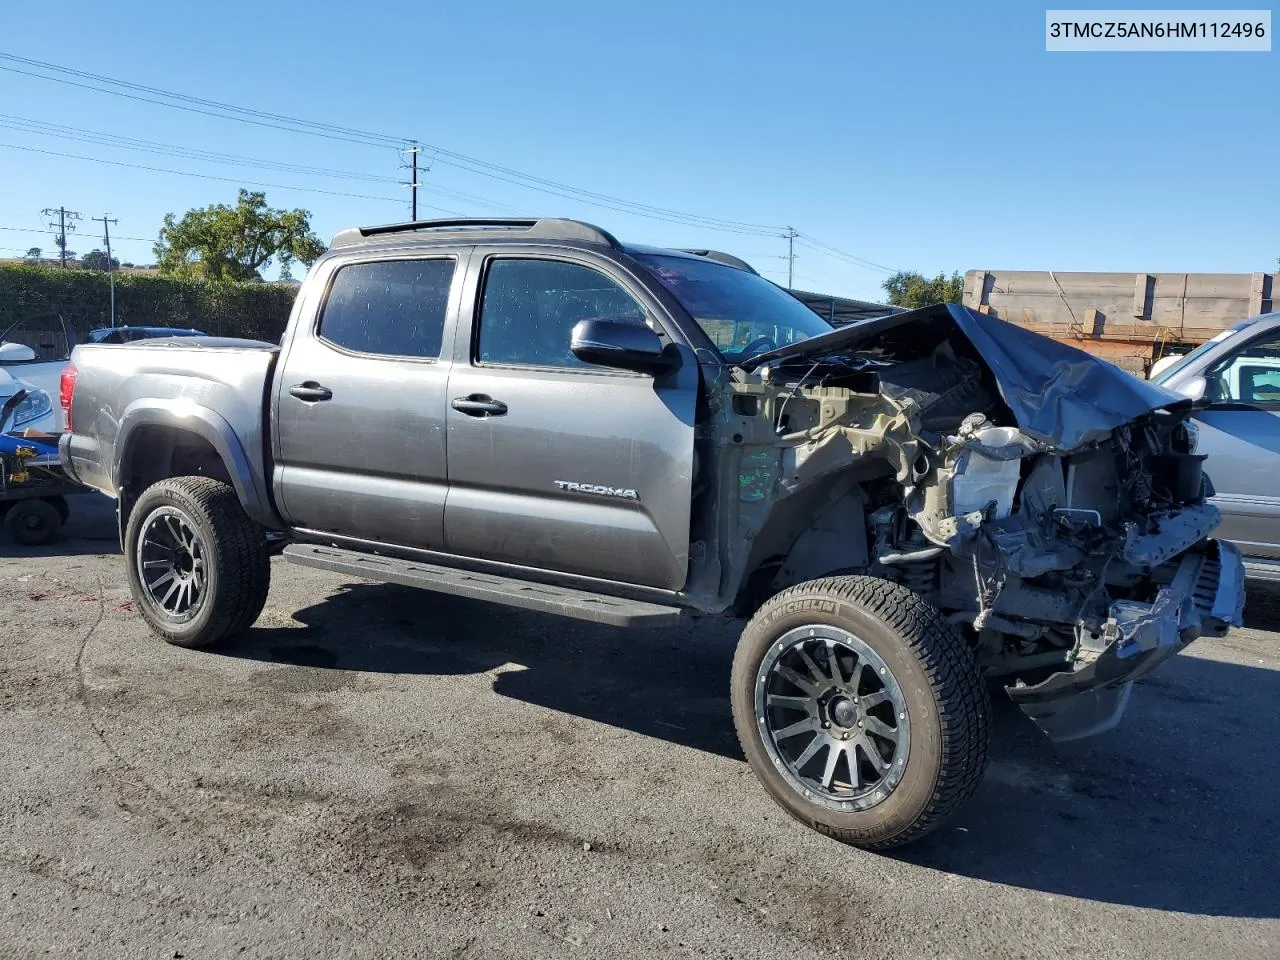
<point>393,308</point>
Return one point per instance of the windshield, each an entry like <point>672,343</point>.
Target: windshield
<point>741,313</point>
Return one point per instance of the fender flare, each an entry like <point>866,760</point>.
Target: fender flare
<point>210,426</point>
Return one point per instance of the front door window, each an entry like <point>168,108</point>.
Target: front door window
<point>530,308</point>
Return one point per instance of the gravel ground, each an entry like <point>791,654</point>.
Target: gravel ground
<point>375,772</point>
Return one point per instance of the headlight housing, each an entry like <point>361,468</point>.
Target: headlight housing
<point>38,404</point>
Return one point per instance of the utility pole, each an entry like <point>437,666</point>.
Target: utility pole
<point>111,275</point>
<point>63,215</point>
<point>413,152</point>
<point>791,255</point>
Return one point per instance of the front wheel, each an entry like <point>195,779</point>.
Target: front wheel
<point>197,566</point>
<point>861,710</point>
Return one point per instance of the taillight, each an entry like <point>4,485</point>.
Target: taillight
<point>67,392</point>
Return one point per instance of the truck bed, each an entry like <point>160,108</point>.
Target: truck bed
<point>215,388</point>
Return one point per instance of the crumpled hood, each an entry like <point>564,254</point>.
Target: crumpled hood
<point>1057,394</point>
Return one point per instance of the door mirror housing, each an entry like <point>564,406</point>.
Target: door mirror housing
<point>623,345</point>
<point>16,353</point>
<point>1192,388</point>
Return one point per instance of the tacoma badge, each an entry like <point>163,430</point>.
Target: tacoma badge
<point>598,489</point>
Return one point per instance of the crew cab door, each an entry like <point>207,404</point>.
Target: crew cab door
<point>359,409</point>
<point>555,463</point>
<point>1240,431</point>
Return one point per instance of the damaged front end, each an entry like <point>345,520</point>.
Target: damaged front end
<point>1049,504</point>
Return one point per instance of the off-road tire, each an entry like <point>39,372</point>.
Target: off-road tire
<point>33,523</point>
<point>941,684</point>
<point>238,571</point>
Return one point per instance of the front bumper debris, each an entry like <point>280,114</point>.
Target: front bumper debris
<point>1205,598</point>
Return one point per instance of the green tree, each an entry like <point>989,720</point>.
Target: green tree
<point>33,255</point>
<point>234,243</point>
<point>97,260</point>
<point>912,290</point>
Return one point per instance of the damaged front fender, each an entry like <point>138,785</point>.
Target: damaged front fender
<point>1047,503</point>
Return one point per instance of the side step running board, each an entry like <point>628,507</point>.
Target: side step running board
<point>484,586</point>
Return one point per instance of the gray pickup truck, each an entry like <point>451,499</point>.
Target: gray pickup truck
<point>532,413</point>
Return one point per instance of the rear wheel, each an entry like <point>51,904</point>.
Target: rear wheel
<point>33,522</point>
<point>861,710</point>
<point>198,568</point>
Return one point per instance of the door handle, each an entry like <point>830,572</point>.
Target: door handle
<point>311,392</point>
<point>480,405</point>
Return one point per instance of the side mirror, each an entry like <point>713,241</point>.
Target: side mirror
<point>1192,389</point>
<point>16,353</point>
<point>622,345</point>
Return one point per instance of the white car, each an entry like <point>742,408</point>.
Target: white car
<point>38,411</point>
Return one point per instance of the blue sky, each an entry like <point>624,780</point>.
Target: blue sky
<point>932,136</point>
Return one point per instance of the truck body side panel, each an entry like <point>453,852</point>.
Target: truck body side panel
<point>213,389</point>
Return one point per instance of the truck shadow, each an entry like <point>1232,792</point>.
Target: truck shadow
<point>599,673</point>
<point>1178,809</point>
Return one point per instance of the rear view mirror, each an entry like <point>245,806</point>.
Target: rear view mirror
<point>623,345</point>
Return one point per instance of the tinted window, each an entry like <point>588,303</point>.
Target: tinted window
<point>530,308</point>
<point>395,308</point>
<point>743,314</point>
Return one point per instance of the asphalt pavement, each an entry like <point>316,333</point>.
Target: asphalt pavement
<point>378,772</point>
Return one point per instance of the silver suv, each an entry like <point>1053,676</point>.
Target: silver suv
<point>1236,376</point>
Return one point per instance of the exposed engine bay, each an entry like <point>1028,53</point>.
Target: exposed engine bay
<point>1052,507</point>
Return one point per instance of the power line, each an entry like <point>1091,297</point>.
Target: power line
<point>440,154</point>
<point>330,131</point>
<point>81,134</point>
<point>334,131</point>
<point>33,230</point>
<point>578,195</point>
<point>210,176</point>
<point>64,131</point>
<point>815,244</point>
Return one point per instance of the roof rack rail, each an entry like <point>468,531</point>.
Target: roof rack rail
<point>548,228</point>
<point>725,258</point>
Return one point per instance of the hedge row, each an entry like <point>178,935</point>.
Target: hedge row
<point>33,297</point>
